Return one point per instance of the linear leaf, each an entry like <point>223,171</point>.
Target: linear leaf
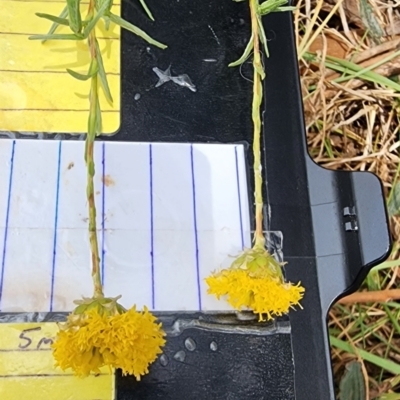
<point>74,13</point>
<point>270,6</point>
<point>53,18</point>
<point>54,26</point>
<point>98,119</point>
<point>148,12</point>
<point>288,8</point>
<point>102,73</point>
<point>107,22</point>
<point>61,36</point>
<point>262,35</point>
<point>92,23</point>
<point>82,77</point>
<point>245,54</point>
<point>137,31</point>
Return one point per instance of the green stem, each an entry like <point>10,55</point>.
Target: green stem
<point>259,239</point>
<point>90,139</point>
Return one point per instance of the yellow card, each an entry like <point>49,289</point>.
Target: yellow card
<point>27,369</point>
<point>36,92</point>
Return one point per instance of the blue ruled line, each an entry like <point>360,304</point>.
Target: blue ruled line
<point>53,267</point>
<point>195,227</point>
<point>10,180</point>
<point>153,301</point>
<point>239,197</point>
<point>103,202</point>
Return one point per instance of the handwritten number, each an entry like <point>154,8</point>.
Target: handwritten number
<point>28,340</point>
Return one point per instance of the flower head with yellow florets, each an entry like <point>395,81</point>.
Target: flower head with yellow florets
<point>255,281</point>
<point>100,332</point>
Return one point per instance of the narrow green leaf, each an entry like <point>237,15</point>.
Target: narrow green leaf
<point>284,9</point>
<point>271,6</point>
<point>386,265</point>
<point>137,31</point>
<point>99,3</point>
<point>93,68</point>
<point>148,12</point>
<point>91,169</point>
<point>53,18</point>
<point>102,73</point>
<point>352,385</point>
<point>74,13</point>
<point>92,23</point>
<point>61,36</point>
<point>83,77</point>
<point>245,54</point>
<point>98,120</point>
<point>107,22</point>
<point>381,362</point>
<point>92,125</point>
<point>262,35</point>
<point>54,26</point>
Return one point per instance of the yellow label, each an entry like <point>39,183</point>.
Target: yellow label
<point>36,92</point>
<point>27,369</point>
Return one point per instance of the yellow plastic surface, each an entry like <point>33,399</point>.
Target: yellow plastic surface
<point>27,369</point>
<point>36,92</point>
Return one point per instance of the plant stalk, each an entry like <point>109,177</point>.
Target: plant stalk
<point>259,239</point>
<point>89,158</point>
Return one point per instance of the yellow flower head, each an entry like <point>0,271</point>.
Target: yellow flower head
<point>98,336</point>
<point>255,281</point>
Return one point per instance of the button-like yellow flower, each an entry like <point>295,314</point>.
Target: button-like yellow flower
<point>254,281</point>
<point>100,332</point>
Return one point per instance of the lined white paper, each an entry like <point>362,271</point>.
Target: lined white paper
<point>167,216</point>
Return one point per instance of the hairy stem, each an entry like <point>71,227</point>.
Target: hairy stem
<point>259,239</point>
<point>90,139</point>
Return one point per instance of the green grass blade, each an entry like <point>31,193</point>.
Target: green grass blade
<point>102,74</point>
<point>148,12</point>
<point>53,18</point>
<point>54,26</point>
<point>137,31</point>
<point>245,54</point>
<point>387,365</point>
<point>337,64</point>
<point>364,73</point>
